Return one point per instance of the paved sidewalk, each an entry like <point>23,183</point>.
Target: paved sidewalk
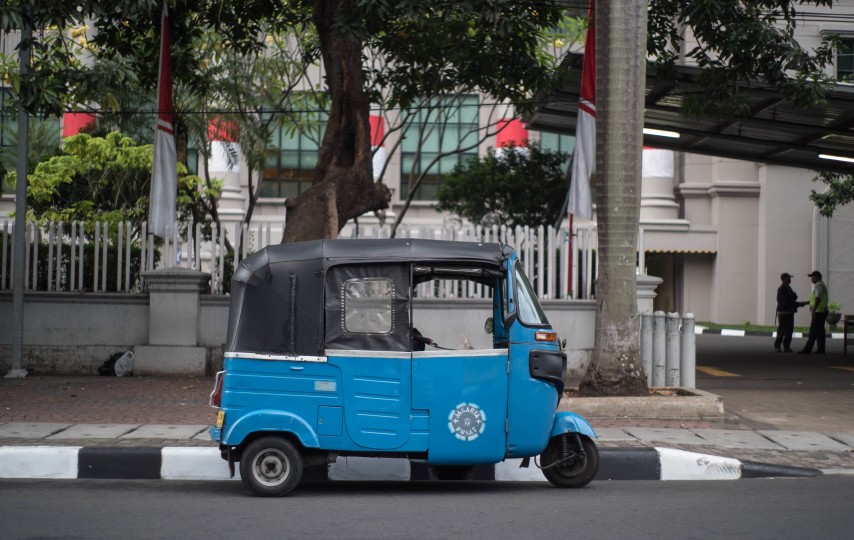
<point>152,412</point>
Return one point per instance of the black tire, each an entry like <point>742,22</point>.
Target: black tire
<point>575,472</point>
<point>271,467</point>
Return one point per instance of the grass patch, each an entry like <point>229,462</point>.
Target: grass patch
<point>747,327</point>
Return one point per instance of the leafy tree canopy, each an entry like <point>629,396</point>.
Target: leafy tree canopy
<point>425,44</point>
<point>102,179</point>
<point>521,186</point>
<point>735,41</point>
<point>840,191</point>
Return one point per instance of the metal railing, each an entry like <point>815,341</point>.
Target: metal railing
<point>77,256</point>
<point>543,251</point>
<point>80,256</point>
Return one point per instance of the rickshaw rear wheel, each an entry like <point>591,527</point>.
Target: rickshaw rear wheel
<point>271,467</point>
<point>564,464</point>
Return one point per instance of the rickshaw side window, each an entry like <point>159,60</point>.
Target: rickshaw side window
<point>530,311</point>
<point>367,305</point>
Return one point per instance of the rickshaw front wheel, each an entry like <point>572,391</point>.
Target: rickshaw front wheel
<point>271,467</point>
<point>564,464</point>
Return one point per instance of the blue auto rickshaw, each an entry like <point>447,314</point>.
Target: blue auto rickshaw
<point>322,361</point>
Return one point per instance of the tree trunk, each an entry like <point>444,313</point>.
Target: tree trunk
<point>343,187</point>
<point>620,73</point>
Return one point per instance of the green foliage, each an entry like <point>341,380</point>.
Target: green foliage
<point>834,307</point>
<point>492,45</point>
<point>521,187</point>
<point>104,179</point>
<point>738,41</point>
<point>43,139</point>
<point>840,191</point>
<point>448,46</point>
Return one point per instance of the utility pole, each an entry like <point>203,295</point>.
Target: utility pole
<point>19,242</point>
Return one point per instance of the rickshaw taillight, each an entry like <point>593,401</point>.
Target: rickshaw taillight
<point>545,336</point>
<point>216,395</point>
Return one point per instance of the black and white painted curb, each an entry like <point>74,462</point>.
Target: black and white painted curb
<point>205,463</point>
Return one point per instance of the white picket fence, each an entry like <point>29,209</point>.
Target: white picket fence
<point>60,257</point>
<point>543,251</point>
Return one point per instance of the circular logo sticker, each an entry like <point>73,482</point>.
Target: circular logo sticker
<point>467,421</point>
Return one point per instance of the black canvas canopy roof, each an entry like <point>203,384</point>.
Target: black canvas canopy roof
<point>774,130</point>
<point>277,294</point>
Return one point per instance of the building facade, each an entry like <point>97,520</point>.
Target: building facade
<point>719,232</point>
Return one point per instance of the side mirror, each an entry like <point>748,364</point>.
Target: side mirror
<point>488,325</point>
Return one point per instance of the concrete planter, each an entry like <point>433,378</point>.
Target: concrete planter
<point>685,403</point>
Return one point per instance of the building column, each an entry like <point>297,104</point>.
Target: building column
<point>658,201</point>
<point>646,292</point>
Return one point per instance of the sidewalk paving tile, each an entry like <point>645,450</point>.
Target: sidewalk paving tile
<point>845,437</point>
<point>732,438</point>
<point>94,431</point>
<point>203,435</point>
<point>25,430</point>
<point>165,431</point>
<point>613,434</point>
<point>664,435</point>
<point>804,440</point>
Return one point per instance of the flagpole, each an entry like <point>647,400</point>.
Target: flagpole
<point>164,174</point>
<point>584,155</point>
<point>571,256</point>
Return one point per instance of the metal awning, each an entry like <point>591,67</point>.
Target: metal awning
<point>775,131</point>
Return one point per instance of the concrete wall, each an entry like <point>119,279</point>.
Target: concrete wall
<point>785,238</point>
<point>75,333</point>
<point>698,292</point>
<point>70,333</point>
<point>734,213</point>
<point>458,324</point>
<point>840,247</point>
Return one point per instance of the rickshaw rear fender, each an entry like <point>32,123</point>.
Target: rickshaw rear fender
<point>568,422</point>
<point>270,421</point>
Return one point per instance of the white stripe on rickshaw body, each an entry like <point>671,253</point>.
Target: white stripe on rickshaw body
<point>276,357</point>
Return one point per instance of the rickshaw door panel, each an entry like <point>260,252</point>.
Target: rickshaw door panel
<point>376,392</point>
<point>466,394</point>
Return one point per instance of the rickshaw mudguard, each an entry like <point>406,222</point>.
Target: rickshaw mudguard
<point>270,421</point>
<point>568,422</point>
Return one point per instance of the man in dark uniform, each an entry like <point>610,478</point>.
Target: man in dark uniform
<point>787,305</point>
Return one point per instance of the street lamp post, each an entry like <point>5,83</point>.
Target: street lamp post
<point>17,370</point>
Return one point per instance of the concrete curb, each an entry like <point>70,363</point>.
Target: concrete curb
<point>687,403</point>
<point>205,463</point>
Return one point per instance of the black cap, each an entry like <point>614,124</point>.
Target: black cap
<point>815,273</point>
<point>785,275</point>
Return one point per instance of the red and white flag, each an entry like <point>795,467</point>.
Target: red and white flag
<point>164,173</point>
<point>584,159</point>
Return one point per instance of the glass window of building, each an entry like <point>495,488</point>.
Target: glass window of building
<point>845,60</point>
<point>442,134</point>
<point>289,169</point>
<point>557,143</point>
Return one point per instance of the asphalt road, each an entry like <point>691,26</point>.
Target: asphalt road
<point>769,390</point>
<point>755,509</point>
<point>756,365</point>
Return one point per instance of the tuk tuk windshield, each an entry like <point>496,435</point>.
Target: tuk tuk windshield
<point>530,311</point>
